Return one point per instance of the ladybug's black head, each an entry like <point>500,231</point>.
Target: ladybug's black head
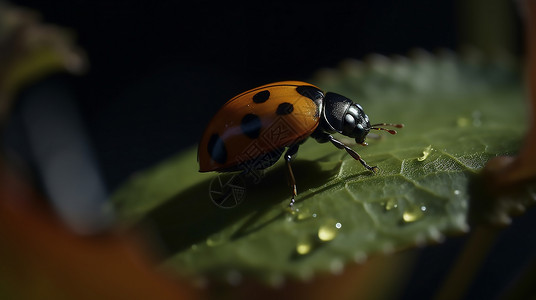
<point>342,115</point>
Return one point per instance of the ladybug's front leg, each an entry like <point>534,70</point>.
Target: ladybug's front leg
<point>323,137</point>
<point>292,150</point>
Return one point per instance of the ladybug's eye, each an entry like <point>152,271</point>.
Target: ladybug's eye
<point>353,110</point>
<point>349,124</point>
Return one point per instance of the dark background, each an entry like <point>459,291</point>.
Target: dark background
<point>161,69</point>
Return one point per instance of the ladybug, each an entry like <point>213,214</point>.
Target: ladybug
<point>252,130</point>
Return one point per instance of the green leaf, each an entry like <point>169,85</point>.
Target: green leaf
<point>458,113</point>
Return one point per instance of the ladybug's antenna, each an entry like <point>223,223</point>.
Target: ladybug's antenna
<point>391,131</point>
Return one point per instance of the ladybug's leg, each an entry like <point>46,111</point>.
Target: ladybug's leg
<point>323,137</point>
<point>352,153</point>
<point>288,156</point>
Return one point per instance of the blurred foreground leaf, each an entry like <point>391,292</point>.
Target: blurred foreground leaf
<point>458,113</point>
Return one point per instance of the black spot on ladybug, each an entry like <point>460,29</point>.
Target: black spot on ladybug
<point>216,149</point>
<point>284,108</point>
<point>310,92</point>
<point>251,126</point>
<point>261,96</point>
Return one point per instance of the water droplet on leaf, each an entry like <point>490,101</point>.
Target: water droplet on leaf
<point>425,153</point>
<point>215,240</point>
<point>328,232</point>
<point>304,247</point>
<point>390,204</point>
<point>413,214</point>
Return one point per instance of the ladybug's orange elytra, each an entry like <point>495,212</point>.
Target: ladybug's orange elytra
<point>256,122</point>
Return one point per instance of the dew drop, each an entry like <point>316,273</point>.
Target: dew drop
<point>301,214</point>
<point>304,247</point>
<point>390,204</point>
<point>304,214</point>
<point>338,225</point>
<point>457,192</point>
<point>412,214</point>
<point>215,240</point>
<point>425,153</point>
<point>328,232</point>
<point>409,217</point>
<point>292,212</point>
